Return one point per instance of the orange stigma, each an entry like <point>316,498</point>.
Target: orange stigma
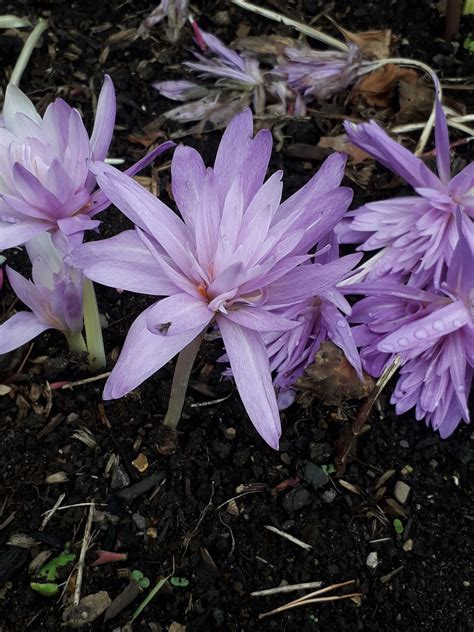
<point>202,291</point>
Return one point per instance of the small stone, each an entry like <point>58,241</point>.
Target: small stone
<point>139,521</point>
<point>372,560</point>
<point>285,458</point>
<point>406,470</point>
<point>329,496</point>
<point>408,545</point>
<point>466,584</point>
<point>401,492</point>
<point>296,499</point>
<point>314,475</point>
<point>88,610</point>
<point>404,444</point>
<point>120,478</point>
<point>152,533</point>
<point>57,477</point>
<point>140,463</point>
<point>230,433</point>
<point>222,18</point>
<point>232,508</point>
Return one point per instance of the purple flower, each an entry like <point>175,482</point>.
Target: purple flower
<point>45,182</point>
<point>234,259</point>
<point>433,332</point>
<point>54,297</point>
<point>320,74</point>
<point>417,233</point>
<point>322,317</point>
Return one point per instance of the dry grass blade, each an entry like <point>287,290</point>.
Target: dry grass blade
<point>288,537</point>
<point>314,597</point>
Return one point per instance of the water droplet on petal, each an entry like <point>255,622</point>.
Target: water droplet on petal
<point>385,346</point>
<point>403,342</point>
<point>341,323</point>
<point>438,325</point>
<point>421,333</point>
<point>456,322</point>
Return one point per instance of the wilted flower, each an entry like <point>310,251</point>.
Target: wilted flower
<point>176,12</point>
<point>234,260</point>
<point>319,74</point>
<point>239,82</point>
<point>417,233</point>
<point>45,182</point>
<point>322,317</point>
<point>433,332</point>
<point>54,298</point>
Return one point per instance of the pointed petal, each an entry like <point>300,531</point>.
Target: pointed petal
<point>104,121</point>
<point>142,355</point>
<point>428,329</point>
<point>18,330</point>
<point>251,370</point>
<point>178,314</point>
<point>443,159</point>
<point>16,101</point>
<point>259,319</point>
<point>187,178</point>
<point>122,262</point>
<point>17,234</point>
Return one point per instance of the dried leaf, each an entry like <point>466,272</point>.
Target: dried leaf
<point>332,379</point>
<point>415,98</point>
<point>374,44</point>
<point>378,88</point>
<point>340,143</point>
<point>265,44</point>
<point>177,627</point>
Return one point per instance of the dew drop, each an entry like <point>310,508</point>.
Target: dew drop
<point>341,323</point>
<point>403,342</point>
<point>384,346</point>
<point>438,325</point>
<point>456,322</point>
<point>421,333</point>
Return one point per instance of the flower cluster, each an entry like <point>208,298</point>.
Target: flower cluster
<point>419,287</point>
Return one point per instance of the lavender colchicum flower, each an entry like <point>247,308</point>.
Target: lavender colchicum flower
<point>322,317</point>
<point>54,298</point>
<point>433,332</point>
<point>45,182</point>
<point>175,11</point>
<point>416,234</point>
<point>320,74</point>
<point>234,260</point>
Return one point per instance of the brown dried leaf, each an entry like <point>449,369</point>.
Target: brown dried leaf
<point>332,379</point>
<point>340,143</point>
<point>374,44</point>
<point>378,88</point>
<point>415,98</point>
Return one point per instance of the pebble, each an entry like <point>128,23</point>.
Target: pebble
<point>404,444</point>
<point>314,475</point>
<point>401,492</point>
<point>372,560</point>
<point>230,433</point>
<point>139,521</point>
<point>140,463</point>
<point>296,499</point>
<point>329,496</point>
<point>408,545</point>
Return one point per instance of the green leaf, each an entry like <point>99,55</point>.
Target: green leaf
<point>398,526</point>
<point>469,45</point>
<point>50,570</point>
<point>47,590</point>
<point>328,469</point>
<point>179,582</point>
<point>153,592</point>
<point>136,575</point>
<point>468,8</point>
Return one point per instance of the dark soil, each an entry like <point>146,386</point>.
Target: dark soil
<point>424,576</point>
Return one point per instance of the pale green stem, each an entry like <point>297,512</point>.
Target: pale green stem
<point>181,375</point>
<point>76,342</point>
<point>27,51</point>
<point>95,342</point>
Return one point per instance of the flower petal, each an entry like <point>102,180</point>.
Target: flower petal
<point>443,159</point>
<point>104,121</point>
<point>251,370</point>
<point>177,314</point>
<point>187,177</point>
<point>259,319</point>
<point>15,102</point>
<point>18,330</point>
<point>17,234</point>
<point>142,355</point>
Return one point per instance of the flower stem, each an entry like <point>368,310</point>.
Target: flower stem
<point>76,342</point>
<point>180,382</point>
<point>27,51</point>
<point>95,342</point>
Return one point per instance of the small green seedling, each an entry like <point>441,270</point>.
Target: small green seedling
<point>49,571</point>
<point>328,469</point>
<point>141,580</point>
<point>47,590</point>
<point>469,45</point>
<point>398,526</point>
<point>179,582</point>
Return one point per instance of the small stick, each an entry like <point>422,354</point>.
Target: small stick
<point>50,513</point>
<point>286,589</point>
<point>82,556</point>
<point>87,380</point>
<point>289,537</point>
<point>250,491</point>
<point>72,506</point>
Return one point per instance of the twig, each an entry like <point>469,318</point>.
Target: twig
<point>286,589</point>
<point>289,537</point>
<point>314,598</point>
<point>50,513</point>
<point>82,556</point>
<point>211,402</point>
<point>87,380</point>
<point>250,491</point>
<point>73,506</point>
<point>299,26</point>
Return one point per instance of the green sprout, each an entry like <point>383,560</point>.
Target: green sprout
<point>328,469</point>
<point>49,571</point>
<point>47,590</point>
<point>141,580</point>
<point>179,582</point>
<point>398,526</point>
